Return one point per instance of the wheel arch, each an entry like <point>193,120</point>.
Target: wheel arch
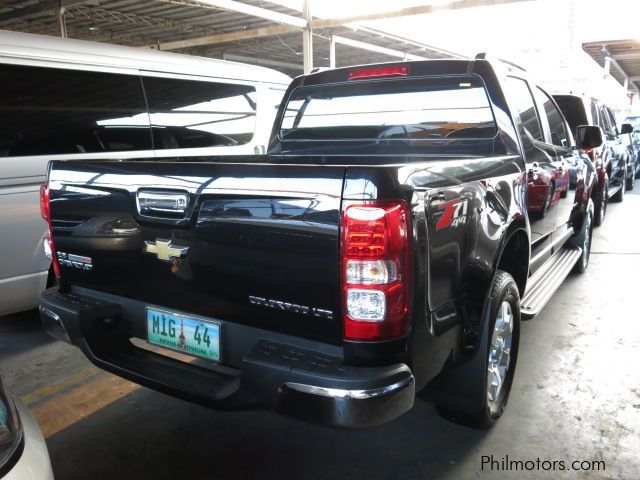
<point>514,254</point>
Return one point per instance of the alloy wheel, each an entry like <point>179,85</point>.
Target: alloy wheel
<point>586,246</point>
<point>500,352</point>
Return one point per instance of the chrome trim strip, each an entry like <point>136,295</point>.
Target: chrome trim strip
<point>50,314</point>
<point>543,284</point>
<point>553,245</point>
<point>351,394</point>
<point>58,323</point>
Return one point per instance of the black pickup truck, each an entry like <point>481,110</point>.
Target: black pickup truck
<point>403,220</point>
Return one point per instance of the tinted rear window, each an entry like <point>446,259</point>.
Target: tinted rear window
<point>573,110</point>
<point>414,109</point>
<point>55,111</point>
<point>192,113</point>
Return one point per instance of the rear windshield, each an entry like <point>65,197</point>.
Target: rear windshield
<point>415,109</point>
<point>573,110</point>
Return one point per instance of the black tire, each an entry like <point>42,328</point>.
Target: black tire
<point>583,240</point>
<point>600,206</point>
<point>631,180</point>
<point>504,290</point>
<point>619,195</point>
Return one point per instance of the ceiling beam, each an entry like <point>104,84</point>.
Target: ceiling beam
<point>262,61</point>
<point>409,11</point>
<point>239,7</point>
<point>610,59</point>
<point>626,56</point>
<point>610,43</point>
<point>375,48</point>
<point>109,16</point>
<point>317,23</point>
<point>406,41</point>
<point>51,6</point>
<point>227,37</point>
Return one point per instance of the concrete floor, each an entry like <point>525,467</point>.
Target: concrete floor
<point>576,397</point>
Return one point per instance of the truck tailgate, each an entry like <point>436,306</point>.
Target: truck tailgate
<point>251,243</point>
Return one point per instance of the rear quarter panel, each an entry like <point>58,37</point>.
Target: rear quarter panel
<point>462,212</point>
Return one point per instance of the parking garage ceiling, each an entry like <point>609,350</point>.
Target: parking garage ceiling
<point>620,59</point>
<point>252,31</point>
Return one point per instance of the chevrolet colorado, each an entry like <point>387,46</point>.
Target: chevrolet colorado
<point>381,248</point>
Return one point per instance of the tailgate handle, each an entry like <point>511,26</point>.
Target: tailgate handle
<point>162,203</point>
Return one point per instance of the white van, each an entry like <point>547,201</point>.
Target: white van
<point>71,99</point>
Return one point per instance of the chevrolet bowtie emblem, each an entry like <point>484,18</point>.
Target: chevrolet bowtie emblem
<point>164,250</point>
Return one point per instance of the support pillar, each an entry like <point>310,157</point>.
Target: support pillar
<point>307,38</point>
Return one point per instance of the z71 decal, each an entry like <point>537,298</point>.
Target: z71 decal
<point>455,213</point>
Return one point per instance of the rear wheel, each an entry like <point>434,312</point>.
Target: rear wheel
<point>619,196</point>
<point>501,355</point>
<point>601,206</point>
<point>583,240</point>
<point>631,179</point>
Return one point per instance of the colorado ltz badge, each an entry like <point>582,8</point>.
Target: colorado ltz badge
<point>455,213</point>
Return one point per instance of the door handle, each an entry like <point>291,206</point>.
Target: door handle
<point>149,203</point>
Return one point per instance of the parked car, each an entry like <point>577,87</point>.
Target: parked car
<point>634,120</point>
<point>23,452</point>
<point>615,161</point>
<point>382,247</point>
<point>635,141</point>
<point>70,99</point>
<point>630,139</point>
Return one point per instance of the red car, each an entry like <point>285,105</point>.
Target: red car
<point>545,187</point>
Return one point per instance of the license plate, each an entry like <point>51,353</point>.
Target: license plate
<point>186,334</point>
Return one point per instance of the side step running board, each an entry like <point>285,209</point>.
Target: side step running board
<point>542,284</point>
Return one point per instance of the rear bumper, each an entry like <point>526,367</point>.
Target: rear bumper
<point>292,376</point>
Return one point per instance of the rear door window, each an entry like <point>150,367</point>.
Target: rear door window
<point>604,121</point>
<point>47,111</point>
<point>612,120</point>
<point>557,128</point>
<point>595,118</point>
<point>194,114</point>
<point>574,111</point>
<point>525,114</point>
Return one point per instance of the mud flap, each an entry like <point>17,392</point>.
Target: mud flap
<point>462,387</point>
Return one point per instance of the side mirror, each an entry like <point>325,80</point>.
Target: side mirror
<point>588,136</point>
<point>626,128</point>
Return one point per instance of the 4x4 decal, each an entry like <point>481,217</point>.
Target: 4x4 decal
<point>455,213</point>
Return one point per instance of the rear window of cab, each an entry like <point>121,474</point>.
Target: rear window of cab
<point>439,108</point>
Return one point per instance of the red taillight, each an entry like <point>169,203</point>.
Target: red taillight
<point>376,276</point>
<point>44,202</point>
<point>45,211</point>
<point>391,71</point>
